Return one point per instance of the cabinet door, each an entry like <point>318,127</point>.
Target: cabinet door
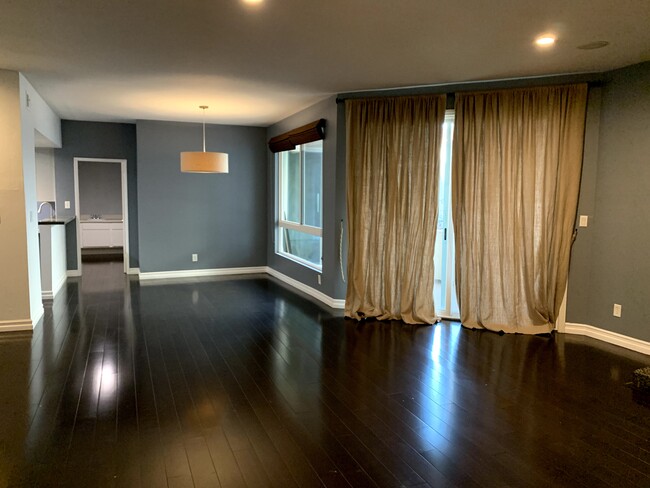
<point>117,235</point>
<point>95,235</point>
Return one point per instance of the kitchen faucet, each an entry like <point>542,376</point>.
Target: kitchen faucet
<point>40,207</point>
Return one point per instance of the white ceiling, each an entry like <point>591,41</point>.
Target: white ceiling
<point>122,60</point>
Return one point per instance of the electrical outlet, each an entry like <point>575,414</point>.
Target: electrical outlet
<point>66,204</point>
<point>617,310</point>
<point>318,276</point>
<point>195,258</point>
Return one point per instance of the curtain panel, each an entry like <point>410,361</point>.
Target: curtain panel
<point>517,161</point>
<point>393,151</point>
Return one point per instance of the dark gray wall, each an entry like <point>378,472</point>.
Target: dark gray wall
<point>100,188</point>
<point>582,249</point>
<point>611,259</point>
<point>222,217</point>
<point>333,208</point>
<point>71,244</point>
<point>102,140</point>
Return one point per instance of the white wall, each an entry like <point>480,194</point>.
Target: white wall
<point>14,285</point>
<point>35,117</point>
<point>20,286</point>
<point>45,187</point>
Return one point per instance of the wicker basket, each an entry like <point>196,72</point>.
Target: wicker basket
<point>642,379</point>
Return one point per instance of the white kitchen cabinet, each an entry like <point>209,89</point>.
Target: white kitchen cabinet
<point>116,234</point>
<point>102,234</point>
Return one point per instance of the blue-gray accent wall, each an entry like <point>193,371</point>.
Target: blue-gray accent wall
<point>610,262</point>
<point>102,140</point>
<point>333,202</point>
<point>220,217</point>
<point>100,188</point>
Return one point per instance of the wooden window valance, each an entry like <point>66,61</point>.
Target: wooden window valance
<point>314,131</point>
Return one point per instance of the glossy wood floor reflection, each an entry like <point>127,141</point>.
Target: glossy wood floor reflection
<point>241,382</point>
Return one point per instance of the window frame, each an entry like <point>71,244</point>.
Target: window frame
<point>297,226</point>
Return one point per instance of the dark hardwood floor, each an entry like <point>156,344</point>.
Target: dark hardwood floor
<point>241,382</point>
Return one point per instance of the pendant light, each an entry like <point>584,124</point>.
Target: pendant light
<point>204,162</point>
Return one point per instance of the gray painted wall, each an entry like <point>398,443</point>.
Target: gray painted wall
<point>100,188</point>
<point>582,249</point>
<point>71,244</point>
<point>333,208</point>
<point>222,217</point>
<point>97,140</point>
<point>611,258</point>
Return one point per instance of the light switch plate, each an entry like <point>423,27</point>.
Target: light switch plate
<point>618,309</point>
<point>584,220</point>
<point>195,258</point>
<point>66,204</point>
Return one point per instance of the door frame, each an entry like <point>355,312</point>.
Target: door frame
<point>125,207</point>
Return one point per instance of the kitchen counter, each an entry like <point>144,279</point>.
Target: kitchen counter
<point>100,221</point>
<point>56,221</point>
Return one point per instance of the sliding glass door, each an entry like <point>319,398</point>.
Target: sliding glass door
<point>444,292</point>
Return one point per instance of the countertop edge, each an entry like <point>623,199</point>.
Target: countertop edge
<point>57,221</point>
<point>102,221</point>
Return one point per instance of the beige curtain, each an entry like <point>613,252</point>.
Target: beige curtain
<point>393,147</point>
<point>516,174</point>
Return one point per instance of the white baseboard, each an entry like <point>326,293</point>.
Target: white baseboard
<point>16,325</point>
<point>318,295</point>
<point>40,313</point>
<point>607,336</point>
<point>195,273</point>
<point>50,294</point>
<point>73,273</point>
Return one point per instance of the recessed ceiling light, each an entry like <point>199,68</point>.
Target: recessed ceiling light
<point>545,40</point>
<point>594,45</point>
<point>252,2</point>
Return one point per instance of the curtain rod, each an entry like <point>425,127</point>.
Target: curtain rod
<point>592,79</point>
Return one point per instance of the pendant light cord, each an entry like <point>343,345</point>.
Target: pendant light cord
<point>203,107</point>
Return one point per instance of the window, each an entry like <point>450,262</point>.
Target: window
<point>444,291</point>
<point>300,173</point>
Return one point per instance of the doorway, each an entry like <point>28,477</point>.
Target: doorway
<point>444,290</point>
<point>101,208</point>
